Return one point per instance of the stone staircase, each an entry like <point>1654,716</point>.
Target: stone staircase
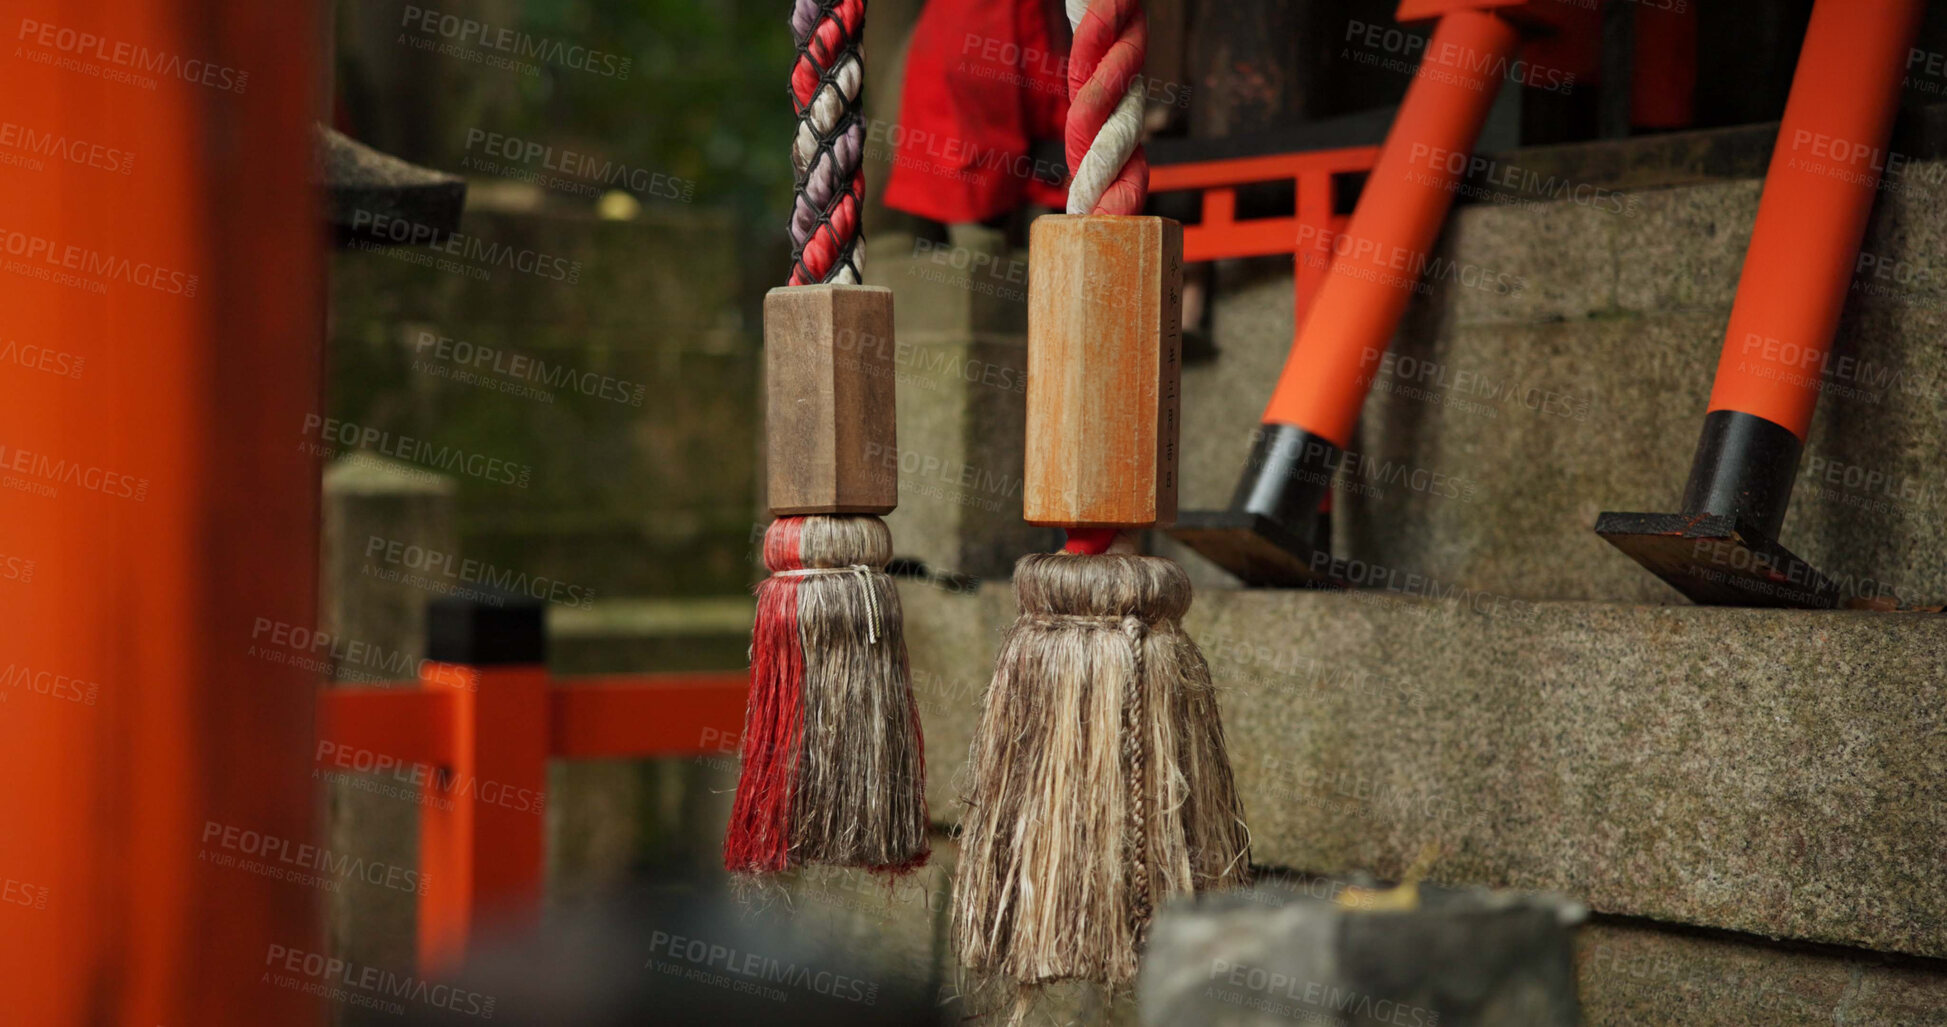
<point>1752,803</point>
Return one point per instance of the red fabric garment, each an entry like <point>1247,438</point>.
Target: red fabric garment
<point>983,81</point>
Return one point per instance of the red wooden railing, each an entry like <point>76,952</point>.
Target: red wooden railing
<point>483,736</point>
<point>1306,233</point>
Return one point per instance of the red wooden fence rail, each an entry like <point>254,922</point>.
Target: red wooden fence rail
<point>476,740</point>
<point>1306,233</point>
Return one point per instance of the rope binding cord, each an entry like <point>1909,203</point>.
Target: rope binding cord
<point>864,574</point>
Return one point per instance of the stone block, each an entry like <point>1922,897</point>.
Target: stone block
<point>1633,974</point>
<point>1685,250</point>
<point>1461,958</point>
<point>961,369</point>
<point>373,818</point>
<point>1485,454</point>
<point>1772,772</point>
<point>1489,443</point>
<point>1528,261</point>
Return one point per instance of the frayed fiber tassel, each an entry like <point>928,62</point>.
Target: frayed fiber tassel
<point>833,762</point>
<point>1101,787</point>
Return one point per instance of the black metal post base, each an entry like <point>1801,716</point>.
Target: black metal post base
<point>1719,560</point>
<point>1273,534</point>
<point>1723,549</point>
<point>1258,550</point>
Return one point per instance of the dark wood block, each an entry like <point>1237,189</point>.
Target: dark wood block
<point>828,361</point>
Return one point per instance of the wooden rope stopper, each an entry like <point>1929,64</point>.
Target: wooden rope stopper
<point>833,759</point>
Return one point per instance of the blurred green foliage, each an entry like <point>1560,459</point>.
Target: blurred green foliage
<point>704,100</point>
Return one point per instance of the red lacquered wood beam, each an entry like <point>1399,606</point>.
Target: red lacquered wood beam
<point>647,715</point>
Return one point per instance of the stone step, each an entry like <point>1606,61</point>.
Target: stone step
<point>1629,974</point>
<point>1777,773</point>
<point>1558,364</point>
<point>960,317</point>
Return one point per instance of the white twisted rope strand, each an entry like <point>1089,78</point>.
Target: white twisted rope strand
<point>1111,147</point>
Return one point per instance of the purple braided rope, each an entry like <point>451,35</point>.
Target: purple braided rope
<point>828,148</point>
<point>824,180</point>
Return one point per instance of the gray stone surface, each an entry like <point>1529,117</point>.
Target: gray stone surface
<point>960,314</point>
<point>1632,975</point>
<point>1546,262</point>
<point>1459,958</point>
<point>1521,434</point>
<point>902,920</point>
<point>366,819</point>
<point>641,635</point>
<point>1627,974</point>
<point>1641,163</point>
<point>363,185</point>
<point>1502,423</point>
<point>1685,249</point>
<point>1777,773</point>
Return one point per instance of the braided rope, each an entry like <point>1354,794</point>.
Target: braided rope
<point>828,152</point>
<point>1136,754</point>
<point>1109,174</point>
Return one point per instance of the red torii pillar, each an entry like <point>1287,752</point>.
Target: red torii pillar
<point>155,504</point>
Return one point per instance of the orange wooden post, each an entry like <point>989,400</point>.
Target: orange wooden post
<point>1831,155</point>
<point>1825,170</point>
<point>156,507</point>
<point>1377,262</point>
<point>1364,277</point>
<point>482,831</point>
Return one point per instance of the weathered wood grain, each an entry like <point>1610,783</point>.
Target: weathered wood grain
<point>1104,357</point>
<point>828,359</point>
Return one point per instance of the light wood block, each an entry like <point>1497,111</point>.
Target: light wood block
<point>828,366</point>
<point>1105,352</point>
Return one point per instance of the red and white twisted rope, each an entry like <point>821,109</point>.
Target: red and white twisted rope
<point>830,145</point>
<point>1108,172</point>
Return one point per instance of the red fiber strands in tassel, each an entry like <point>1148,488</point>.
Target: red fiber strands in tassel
<point>759,840</point>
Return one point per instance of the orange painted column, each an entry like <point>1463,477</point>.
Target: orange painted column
<point>161,326</point>
<point>1825,171</point>
<point>483,825</point>
<point>1376,263</point>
